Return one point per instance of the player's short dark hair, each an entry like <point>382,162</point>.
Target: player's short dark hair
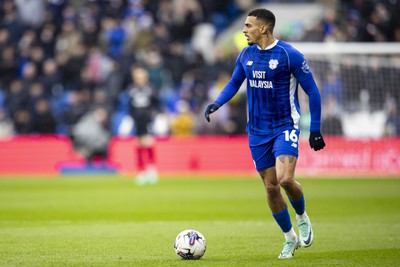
<point>264,15</point>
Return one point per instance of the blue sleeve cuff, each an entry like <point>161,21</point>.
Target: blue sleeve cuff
<point>315,126</point>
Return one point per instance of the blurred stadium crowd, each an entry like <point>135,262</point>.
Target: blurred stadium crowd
<point>61,61</point>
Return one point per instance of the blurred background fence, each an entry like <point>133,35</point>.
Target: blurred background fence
<point>60,60</point>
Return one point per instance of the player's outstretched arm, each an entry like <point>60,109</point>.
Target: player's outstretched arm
<point>211,109</point>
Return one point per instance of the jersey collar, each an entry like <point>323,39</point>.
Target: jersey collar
<point>270,46</point>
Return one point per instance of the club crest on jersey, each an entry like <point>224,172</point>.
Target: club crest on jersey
<point>273,63</point>
<point>305,67</point>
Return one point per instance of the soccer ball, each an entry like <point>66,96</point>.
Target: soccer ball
<point>190,245</point>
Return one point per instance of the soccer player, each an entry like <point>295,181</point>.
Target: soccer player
<point>274,69</point>
<point>144,104</point>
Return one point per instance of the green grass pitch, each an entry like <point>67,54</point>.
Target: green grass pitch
<point>109,221</point>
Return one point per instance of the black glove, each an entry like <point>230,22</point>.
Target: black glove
<point>316,141</point>
<point>210,109</point>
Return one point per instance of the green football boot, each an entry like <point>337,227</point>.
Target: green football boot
<point>306,232</point>
<point>289,248</point>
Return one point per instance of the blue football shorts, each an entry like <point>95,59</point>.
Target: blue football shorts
<point>265,149</point>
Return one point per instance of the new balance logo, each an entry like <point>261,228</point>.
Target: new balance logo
<point>249,63</point>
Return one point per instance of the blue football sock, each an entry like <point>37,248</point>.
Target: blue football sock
<point>283,220</point>
<point>298,205</point>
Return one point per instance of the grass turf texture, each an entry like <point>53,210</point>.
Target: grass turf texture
<point>113,222</point>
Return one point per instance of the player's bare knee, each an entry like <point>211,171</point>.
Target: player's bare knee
<point>272,189</point>
<point>286,182</point>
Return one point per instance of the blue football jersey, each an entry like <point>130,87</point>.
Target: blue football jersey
<point>273,76</point>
